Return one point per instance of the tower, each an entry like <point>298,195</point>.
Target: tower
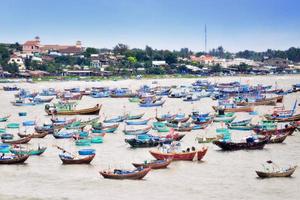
<point>78,44</point>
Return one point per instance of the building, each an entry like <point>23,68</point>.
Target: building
<point>204,59</point>
<point>277,62</point>
<point>158,63</point>
<point>35,46</point>
<point>17,60</point>
<point>32,46</point>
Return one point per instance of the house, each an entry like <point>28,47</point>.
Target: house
<point>158,63</point>
<point>204,59</point>
<point>277,62</point>
<point>17,60</point>
<point>32,46</point>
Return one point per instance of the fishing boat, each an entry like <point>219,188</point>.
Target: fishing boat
<point>116,119</point>
<point>186,156</point>
<point>152,104</point>
<point>32,152</point>
<point>258,103</point>
<point>136,174</point>
<point>87,111</point>
<point>99,94</point>
<point>13,125</point>
<point>134,117</point>
<point>276,171</point>
<point>122,93</point>
<point>105,130</point>
<point>241,123</point>
<point>7,136</point>
<point>140,122</point>
<point>69,158</point>
<point>33,135</point>
<point>10,88</point>
<point>240,128</point>
<point>18,141</point>
<point>165,117</point>
<point>234,109</point>
<point>283,119</point>
<point>224,119</point>
<point>207,139</point>
<point>4,118</point>
<point>279,138</point>
<point>49,129</point>
<point>137,131</point>
<point>245,145</point>
<point>154,164</point>
<point>22,114</point>
<point>63,134</point>
<point>29,123</point>
<point>161,127</point>
<point>14,159</point>
<point>288,129</point>
<point>101,126</point>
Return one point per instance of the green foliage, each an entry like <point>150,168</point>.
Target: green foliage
<point>155,70</point>
<point>89,51</point>
<point>216,68</point>
<point>120,49</point>
<point>11,68</point>
<point>4,55</point>
<point>132,59</point>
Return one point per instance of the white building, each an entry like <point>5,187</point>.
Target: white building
<point>17,60</point>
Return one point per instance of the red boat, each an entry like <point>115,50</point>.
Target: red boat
<point>188,156</point>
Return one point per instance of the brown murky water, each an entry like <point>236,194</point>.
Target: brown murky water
<point>221,175</point>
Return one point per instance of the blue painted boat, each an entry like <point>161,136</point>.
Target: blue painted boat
<point>108,130</point>
<point>102,94</point>
<point>63,134</point>
<point>4,148</point>
<point>29,123</point>
<point>137,122</point>
<point>7,136</point>
<point>22,114</point>
<point>84,152</point>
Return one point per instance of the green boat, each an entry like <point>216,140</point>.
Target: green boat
<point>229,114</point>
<point>83,142</point>
<point>4,119</point>
<point>240,128</point>
<point>2,130</point>
<point>32,152</point>
<point>108,130</point>
<point>13,125</point>
<point>134,100</point>
<point>160,127</point>
<point>97,139</point>
<point>75,125</point>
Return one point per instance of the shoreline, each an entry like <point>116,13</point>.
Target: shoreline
<point>120,78</point>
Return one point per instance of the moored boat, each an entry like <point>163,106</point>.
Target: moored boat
<point>154,164</point>
<point>136,174</point>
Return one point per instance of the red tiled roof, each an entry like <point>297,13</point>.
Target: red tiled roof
<point>31,43</point>
<point>71,49</point>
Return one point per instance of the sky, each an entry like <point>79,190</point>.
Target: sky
<point>162,24</point>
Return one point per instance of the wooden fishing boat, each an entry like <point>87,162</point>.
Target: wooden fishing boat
<point>33,135</point>
<point>283,119</point>
<point>15,159</point>
<point>18,141</point>
<point>207,139</point>
<point>87,111</point>
<point>236,109</point>
<point>124,174</point>
<point>63,134</point>
<point>154,164</point>
<point>183,128</point>
<point>44,129</point>
<point>137,131</point>
<point>166,117</point>
<point>278,138</point>
<point>144,143</point>
<point>103,131</point>
<point>258,103</point>
<point>101,126</point>
<point>187,156</point>
<point>179,119</point>
<point>289,130</point>
<point>70,160</point>
<point>241,123</point>
<point>278,99</point>
<point>153,104</point>
<point>281,173</point>
<point>233,146</point>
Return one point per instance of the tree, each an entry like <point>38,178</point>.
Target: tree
<point>216,68</point>
<point>120,49</point>
<point>149,52</point>
<point>170,57</point>
<point>4,55</point>
<point>11,68</point>
<point>89,51</point>
<point>184,52</point>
